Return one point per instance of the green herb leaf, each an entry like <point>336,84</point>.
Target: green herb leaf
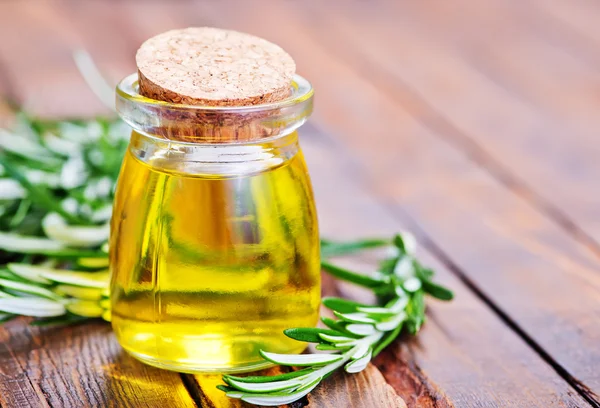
<point>437,291</point>
<point>416,312</point>
<point>299,360</point>
<point>387,266</point>
<point>40,195</point>
<point>309,334</point>
<point>279,398</point>
<point>330,248</point>
<point>406,243</point>
<point>268,378</point>
<point>271,386</point>
<point>337,326</point>
<point>224,388</point>
<point>387,339</point>
<point>28,245</point>
<point>347,275</point>
<point>85,308</point>
<point>341,305</point>
<point>32,307</point>
<point>29,288</point>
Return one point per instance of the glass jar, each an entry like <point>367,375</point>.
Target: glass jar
<point>214,245</point>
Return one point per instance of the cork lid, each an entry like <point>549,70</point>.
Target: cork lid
<point>213,67</point>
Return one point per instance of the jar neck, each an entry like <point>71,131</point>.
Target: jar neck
<point>214,124</point>
<point>213,160</point>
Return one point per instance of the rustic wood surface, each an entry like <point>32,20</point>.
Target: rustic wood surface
<point>474,124</point>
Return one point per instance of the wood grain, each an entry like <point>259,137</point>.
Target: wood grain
<point>365,389</point>
<point>79,366</point>
<point>496,80</point>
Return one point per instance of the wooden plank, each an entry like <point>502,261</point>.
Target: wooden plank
<point>548,77</point>
<point>534,140</point>
<point>16,389</point>
<point>544,281</point>
<point>579,16</point>
<point>363,390</point>
<point>79,366</point>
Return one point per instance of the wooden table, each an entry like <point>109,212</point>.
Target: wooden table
<point>474,124</point>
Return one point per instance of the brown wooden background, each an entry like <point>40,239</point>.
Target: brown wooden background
<point>475,124</point>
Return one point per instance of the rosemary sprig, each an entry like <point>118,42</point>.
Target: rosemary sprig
<point>358,333</point>
<point>55,201</point>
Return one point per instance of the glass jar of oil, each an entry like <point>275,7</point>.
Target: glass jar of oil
<point>214,242</point>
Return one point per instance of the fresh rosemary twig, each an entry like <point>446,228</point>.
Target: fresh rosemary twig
<point>56,191</point>
<point>359,331</point>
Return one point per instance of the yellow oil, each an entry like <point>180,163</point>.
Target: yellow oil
<point>207,269</point>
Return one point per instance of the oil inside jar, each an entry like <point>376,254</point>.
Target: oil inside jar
<point>210,268</point>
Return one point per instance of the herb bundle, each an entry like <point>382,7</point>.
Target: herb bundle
<point>56,190</point>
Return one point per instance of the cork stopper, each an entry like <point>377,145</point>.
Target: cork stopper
<point>213,67</point>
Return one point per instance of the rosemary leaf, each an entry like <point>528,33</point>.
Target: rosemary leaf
<point>32,307</point>
<point>41,195</point>
<point>416,312</point>
<point>337,326</point>
<point>268,378</point>
<point>341,305</point>
<point>387,340</point>
<point>437,291</point>
<point>331,248</point>
<point>359,279</point>
<point>310,334</point>
<point>31,289</point>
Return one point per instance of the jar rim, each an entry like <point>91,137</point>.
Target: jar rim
<point>201,124</point>
<point>301,91</point>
